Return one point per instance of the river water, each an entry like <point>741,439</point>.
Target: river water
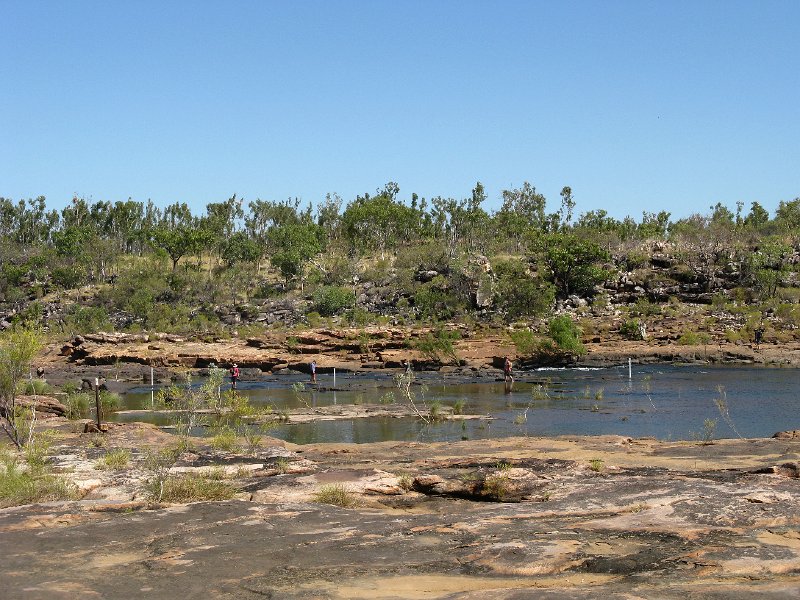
<point>662,401</point>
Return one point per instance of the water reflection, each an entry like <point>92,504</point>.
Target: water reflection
<point>666,402</point>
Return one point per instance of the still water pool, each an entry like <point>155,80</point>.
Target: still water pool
<point>663,401</point>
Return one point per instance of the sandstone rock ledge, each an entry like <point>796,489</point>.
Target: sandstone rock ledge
<point>493,519</point>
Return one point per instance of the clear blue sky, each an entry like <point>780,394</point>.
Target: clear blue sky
<point>637,105</point>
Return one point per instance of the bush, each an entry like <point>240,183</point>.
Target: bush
<point>314,319</point>
<point>439,344</point>
<point>77,404</point>
<point>631,329</point>
<point>37,387</point>
<point>332,300</point>
<point>189,488</point>
<point>20,486</point>
<point>225,439</point>
<point>525,342</point>
<point>644,308</point>
<point>87,319</point>
<point>335,494</point>
<point>434,300</point>
<point>566,335</point>
<point>519,294</point>
<point>692,338</point>
<point>114,460</point>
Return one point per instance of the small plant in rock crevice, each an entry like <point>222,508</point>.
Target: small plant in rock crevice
<point>336,494</point>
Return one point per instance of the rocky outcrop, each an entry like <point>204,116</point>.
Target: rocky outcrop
<point>577,518</point>
<point>45,406</point>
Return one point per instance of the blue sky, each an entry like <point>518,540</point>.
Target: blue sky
<point>637,105</point>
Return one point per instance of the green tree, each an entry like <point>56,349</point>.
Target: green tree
<point>757,217</point>
<point>239,248</point>
<point>566,335</point>
<point>519,293</point>
<point>574,264</point>
<point>787,214</point>
<point>17,351</point>
<point>181,241</point>
<point>295,244</point>
<point>378,223</point>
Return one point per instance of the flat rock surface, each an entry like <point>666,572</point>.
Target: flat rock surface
<point>506,519</point>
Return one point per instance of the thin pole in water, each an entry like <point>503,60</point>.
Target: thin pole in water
<point>334,376</point>
<point>630,373</point>
<point>97,402</point>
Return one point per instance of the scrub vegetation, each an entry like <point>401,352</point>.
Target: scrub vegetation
<point>386,258</point>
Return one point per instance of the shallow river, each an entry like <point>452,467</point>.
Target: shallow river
<point>663,401</point>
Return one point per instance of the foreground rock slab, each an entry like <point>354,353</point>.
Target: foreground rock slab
<point>578,518</point>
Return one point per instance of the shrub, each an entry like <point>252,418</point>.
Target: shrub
<point>20,486</point>
<point>87,319</point>
<point>693,338</point>
<point>525,342</point>
<point>336,494</point>
<point>189,488</point>
<point>643,307</point>
<point>332,300</point>
<point>109,401</point>
<point>435,410</point>
<point>314,319</point>
<point>433,300</point>
<point>114,460</point>
<point>631,329</point>
<point>77,405</point>
<point>438,345</point>
<point>566,335</point>
<point>225,439</point>
<point>359,317</point>
<point>519,294</point>
<point>496,486</point>
<point>37,386</point>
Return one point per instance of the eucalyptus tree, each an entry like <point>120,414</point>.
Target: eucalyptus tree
<point>294,244</point>
<point>378,222</point>
<point>462,224</point>
<point>179,241</point>
<point>127,219</point>
<point>222,220</point>
<point>523,210</point>
<point>757,217</point>
<point>329,215</point>
<point>17,350</point>
<point>787,216</point>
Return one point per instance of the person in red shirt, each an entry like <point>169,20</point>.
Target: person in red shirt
<point>234,375</point>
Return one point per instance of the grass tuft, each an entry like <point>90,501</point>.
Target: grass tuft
<point>335,494</point>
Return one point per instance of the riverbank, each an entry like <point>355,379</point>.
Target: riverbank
<point>129,357</point>
<point>564,517</point>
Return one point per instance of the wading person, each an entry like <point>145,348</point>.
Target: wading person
<point>508,377</point>
<point>234,375</point>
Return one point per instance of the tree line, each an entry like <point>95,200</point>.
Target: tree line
<point>551,253</point>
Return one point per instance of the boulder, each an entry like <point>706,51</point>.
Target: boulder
<point>787,435</point>
<point>45,406</point>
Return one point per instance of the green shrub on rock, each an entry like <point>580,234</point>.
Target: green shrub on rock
<point>332,300</point>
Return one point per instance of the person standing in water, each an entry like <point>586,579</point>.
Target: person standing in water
<point>508,376</point>
<point>313,371</point>
<point>234,371</point>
